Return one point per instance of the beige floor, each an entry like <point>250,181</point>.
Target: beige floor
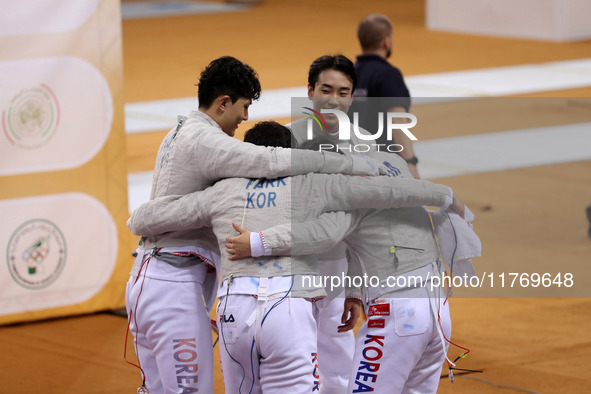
<point>531,217</point>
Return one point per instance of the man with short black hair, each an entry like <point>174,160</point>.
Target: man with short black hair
<point>267,327</point>
<point>332,80</point>
<point>403,344</point>
<point>172,272</point>
<point>331,83</point>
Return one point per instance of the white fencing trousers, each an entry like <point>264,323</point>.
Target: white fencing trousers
<point>171,327</point>
<point>272,354</point>
<point>335,349</point>
<point>399,348</point>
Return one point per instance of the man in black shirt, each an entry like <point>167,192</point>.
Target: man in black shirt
<point>380,86</point>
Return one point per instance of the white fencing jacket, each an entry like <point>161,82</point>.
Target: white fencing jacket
<point>257,204</point>
<point>196,154</point>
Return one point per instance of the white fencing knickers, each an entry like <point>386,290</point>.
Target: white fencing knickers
<point>171,326</point>
<point>399,348</point>
<point>335,349</point>
<point>267,346</point>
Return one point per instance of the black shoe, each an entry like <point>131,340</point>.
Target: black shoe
<point>589,218</point>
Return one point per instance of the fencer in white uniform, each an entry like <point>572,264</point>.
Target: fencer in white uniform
<point>403,344</point>
<point>165,292</point>
<point>331,83</point>
<point>268,341</point>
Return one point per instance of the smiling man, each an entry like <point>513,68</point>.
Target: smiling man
<point>169,280</point>
<point>266,310</point>
<point>331,83</point>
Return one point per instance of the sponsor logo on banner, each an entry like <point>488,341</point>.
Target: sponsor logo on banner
<point>376,323</point>
<point>379,310</point>
<point>59,250</point>
<point>56,113</point>
<point>36,254</point>
<point>32,117</point>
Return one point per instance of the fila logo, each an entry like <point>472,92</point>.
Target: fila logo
<point>229,319</point>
